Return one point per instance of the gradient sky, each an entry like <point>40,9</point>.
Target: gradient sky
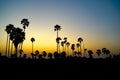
<point>96,21</point>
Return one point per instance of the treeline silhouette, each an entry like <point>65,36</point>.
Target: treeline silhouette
<point>16,37</point>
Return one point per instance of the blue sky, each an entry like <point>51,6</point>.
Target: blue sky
<point>97,21</point>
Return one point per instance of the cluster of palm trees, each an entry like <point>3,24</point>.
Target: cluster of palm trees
<point>16,36</point>
<point>65,43</point>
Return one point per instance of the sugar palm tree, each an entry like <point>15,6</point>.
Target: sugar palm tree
<point>62,44</point>
<point>90,52</point>
<point>8,30</point>
<point>98,52</point>
<point>25,23</point>
<point>44,54</point>
<point>73,47</point>
<point>36,54</point>
<point>68,44</point>
<point>57,28</point>
<point>50,55</point>
<point>58,41</point>
<point>32,40</point>
<point>80,40</point>
<point>78,45</point>
<point>65,41</point>
<point>21,52</point>
<point>17,37</point>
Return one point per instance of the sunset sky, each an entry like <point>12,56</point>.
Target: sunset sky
<point>96,21</point>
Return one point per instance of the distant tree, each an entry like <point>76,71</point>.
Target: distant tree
<point>58,41</point>
<point>40,56</point>
<point>65,41</point>
<point>78,45</point>
<point>73,47</point>
<point>50,55</point>
<point>98,52</point>
<point>32,54</point>
<point>8,29</point>
<point>90,52</point>
<point>62,44</point>
<point>57,28</point>
<point>21,52</point>
<point>36,54</point>
<point>56,55</point>
<point>24,56</point>
<point>32,40</point>
<point>68,44</point>
<point>44,54</point>
<point>85,50</point>
<point>80,40</point>
<point>63,54</point>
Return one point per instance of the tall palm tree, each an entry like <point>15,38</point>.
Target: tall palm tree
<point>68,44</point>
<point>25,23</point>
<point>73,47</point>
<point>8,29</point>
<point>80,40</point>
<point>57,28</point>
<point>65,41</point>
<point>58,41</point>
<point>32,40</point>
<point>17,37</point>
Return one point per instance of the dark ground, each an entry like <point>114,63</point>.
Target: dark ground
<point>61,68</point>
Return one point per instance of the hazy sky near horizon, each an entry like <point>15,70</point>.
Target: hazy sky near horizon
<point>96,21</point>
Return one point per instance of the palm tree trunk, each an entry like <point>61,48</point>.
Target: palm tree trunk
<point>9,48</point>
<point>59,48</point>
<point>57,43</point>
<point>32,47</point>
<point>65,47</point>
<point>68,51</point>
<point>6,45</point>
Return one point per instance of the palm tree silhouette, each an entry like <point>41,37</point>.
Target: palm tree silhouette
<point>32,54</point>
<point>25,23</point>
<point>98,52</point>
<point>90,54</point>
<point>36,54</point>
<point>50,55</point>
<point>58,46</point>
<point>78,45</point>
<point>17,36</point>
<point>68,44</point>
<point>44,54</point>
<point>8,30</point>
<point>62,44</point>
<point>73,47</point>
<point>21,52</point>
<point>57,28</point>
<point>32,40</point>
<point>65,41</point>
<point>80,40</point>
